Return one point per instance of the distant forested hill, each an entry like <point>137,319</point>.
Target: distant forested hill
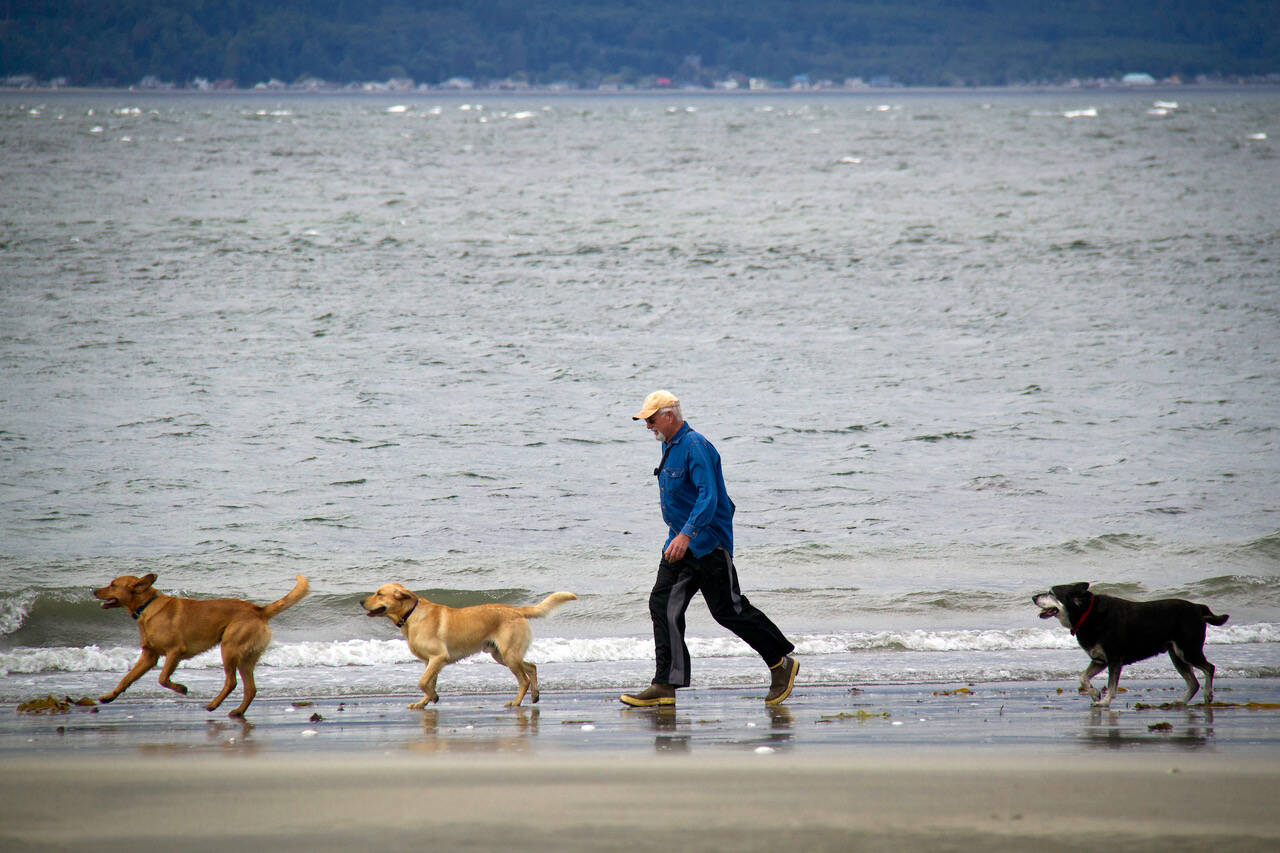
<point>913,42</point>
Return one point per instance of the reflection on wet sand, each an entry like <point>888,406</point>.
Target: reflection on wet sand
<point>665,726</point>
<point>229,736</point>
<point>512,731</point>
<point>1113,729</point>
<point>674,734</point>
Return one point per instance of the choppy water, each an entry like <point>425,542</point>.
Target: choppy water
<point>953,349</point>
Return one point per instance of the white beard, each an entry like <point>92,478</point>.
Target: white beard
<point>657,435</point>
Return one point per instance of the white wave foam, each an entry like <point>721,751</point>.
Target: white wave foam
<point>66,659</point>
<point>556,650</point>
<point>13,611</point>
<point>1260,632</point>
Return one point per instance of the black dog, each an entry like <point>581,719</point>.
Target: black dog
<point>1116,632</point>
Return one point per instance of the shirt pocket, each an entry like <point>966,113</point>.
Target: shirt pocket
<point>673,473</point>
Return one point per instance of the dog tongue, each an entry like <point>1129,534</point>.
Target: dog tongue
<point>1049,613</point>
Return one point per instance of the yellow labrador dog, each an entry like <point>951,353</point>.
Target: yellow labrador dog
<point>439,635</point>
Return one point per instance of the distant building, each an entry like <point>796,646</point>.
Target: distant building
<point>1138,80</point>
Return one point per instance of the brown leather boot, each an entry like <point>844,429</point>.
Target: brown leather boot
<point>652,696</point>
<point>783,679</point>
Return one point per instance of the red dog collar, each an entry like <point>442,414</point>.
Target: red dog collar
<point>1087,611</point>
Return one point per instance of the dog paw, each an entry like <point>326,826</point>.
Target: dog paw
<point>418,706</point>
<point>110,697</point>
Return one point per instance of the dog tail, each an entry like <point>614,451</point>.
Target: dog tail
<point>299,591</point>
<point>1208,616</point>
<point>551,602</point>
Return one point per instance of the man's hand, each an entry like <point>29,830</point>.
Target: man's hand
<point>677,549</point>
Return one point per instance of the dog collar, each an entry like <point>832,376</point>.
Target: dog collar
<point>400,624</point>
<point>1087,611</point>
<point>136,613</point>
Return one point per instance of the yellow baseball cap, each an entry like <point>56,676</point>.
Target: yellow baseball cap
<point>655,401</point>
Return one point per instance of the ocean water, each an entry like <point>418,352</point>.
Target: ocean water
<point>953,349</point>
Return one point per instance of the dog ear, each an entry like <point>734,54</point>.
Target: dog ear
<point>1080,587</point>
<point>402,594</point>
<point>144,582</point>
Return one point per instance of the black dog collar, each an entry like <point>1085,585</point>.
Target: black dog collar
<point>400,624</point>
<point>136,613</point>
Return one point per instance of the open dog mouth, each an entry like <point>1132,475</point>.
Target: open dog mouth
<point>108,603</point>
<point>1048,604</point>
<point>380,610</point>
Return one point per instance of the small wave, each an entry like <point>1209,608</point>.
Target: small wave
<point>933,438</point>
<point>1107,542</point>
<point>945,599</point>
<point>844,430</point>
<point>1257,590</point>
<point>59,617</point>
<point>1267,547</point>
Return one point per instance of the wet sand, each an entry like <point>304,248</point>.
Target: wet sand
<point>1010,766</point>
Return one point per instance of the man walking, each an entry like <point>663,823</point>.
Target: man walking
<point>698,557</point>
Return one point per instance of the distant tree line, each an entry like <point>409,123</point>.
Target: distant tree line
<point>913,42</point>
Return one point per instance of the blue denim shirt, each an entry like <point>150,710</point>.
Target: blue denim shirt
<point>691,490</point>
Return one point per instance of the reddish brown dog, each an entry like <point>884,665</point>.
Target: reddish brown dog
<point>181,628</point>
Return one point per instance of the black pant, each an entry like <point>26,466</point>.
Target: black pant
<point>712,574</point>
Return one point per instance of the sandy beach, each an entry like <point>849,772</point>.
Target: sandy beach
<point>1005,766</point>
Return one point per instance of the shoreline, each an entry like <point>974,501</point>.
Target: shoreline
<point>1043,718</point>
